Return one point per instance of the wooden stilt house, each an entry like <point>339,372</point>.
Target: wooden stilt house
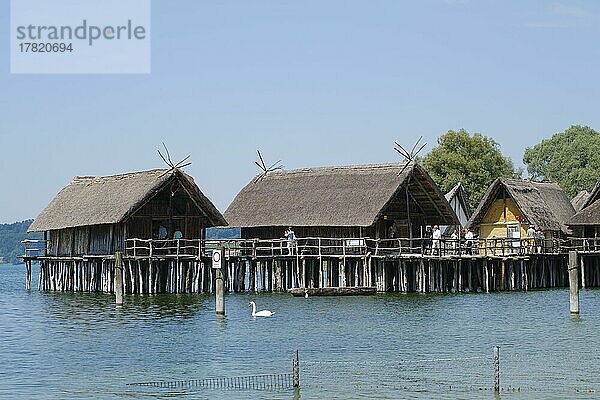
<point>156,218</point>
<point>95,215</point>
<point>374,201</point>
<point>510,206</point>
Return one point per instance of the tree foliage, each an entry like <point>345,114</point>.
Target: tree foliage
<point>570,158</point>
<point>11,236</point>
<point>475,160</point>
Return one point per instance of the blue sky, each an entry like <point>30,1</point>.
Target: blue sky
<point>311,82</point>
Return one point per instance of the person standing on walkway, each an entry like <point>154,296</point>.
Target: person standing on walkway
<point>531,238</point>
<point>455,240</point>
<point>427,240</point>
<point>539,236</point>
<point>469,240</point>
<point>291,238</point>
<point>437,236</point>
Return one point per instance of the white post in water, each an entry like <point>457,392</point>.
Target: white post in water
<point>219,284</point>
<point>573,282</point>
<point>497,369</point>
<point>118,279</point>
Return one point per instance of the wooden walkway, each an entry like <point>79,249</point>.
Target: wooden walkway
<point>396,265</point>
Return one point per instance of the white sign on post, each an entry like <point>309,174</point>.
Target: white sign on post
<point>216,259</point>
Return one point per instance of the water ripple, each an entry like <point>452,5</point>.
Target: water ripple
<point>79,346</point>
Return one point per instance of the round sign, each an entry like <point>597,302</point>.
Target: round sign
<point>216,256</point>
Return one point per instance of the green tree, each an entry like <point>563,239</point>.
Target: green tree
<point>11,236</point>
<point>570,158</point>
<point>475,160</point>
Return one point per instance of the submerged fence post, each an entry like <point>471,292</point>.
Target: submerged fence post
<point>573,283</point>
<point>118,278</point>
<point>296,367</point>
<point>497,369</point>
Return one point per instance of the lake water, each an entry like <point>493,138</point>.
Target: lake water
<point>78,346</point>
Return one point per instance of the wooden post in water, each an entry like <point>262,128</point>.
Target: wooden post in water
<point>582,274</point>
<point>296,369</point>
<point>502,275</point>
<point>497,369</point>
<point>118,279</point>
<point>219,282</point>
<point>573,282</point>
<point>303,283</point>
<point>28,277</point>
<point>219,292</point>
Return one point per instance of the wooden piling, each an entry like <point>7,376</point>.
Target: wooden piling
<point>582,274</point>
<point>296,369</point>
<point>573,283</point>
<point>28,276</point>
<point>501,286</point>
<point>118,278</point>
<point>219,292</point>
<point>220,287</point>
<point>303,283</point>
<point>496,369</point>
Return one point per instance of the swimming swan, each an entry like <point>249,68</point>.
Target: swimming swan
<point>263,313</point>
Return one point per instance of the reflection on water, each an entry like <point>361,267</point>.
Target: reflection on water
<point>102,306</point>
<point>80,346</point>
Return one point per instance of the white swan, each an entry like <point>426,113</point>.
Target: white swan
<point>306,293</point>
<point>263,313</point>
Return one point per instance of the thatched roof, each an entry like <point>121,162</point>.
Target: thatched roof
<point>593,196</point>
<point>589,211</point>
<point>588,216</point>
<point>543,204</point>
<point>579,200</point>
<point>333,196</point>
<point>97,200</point>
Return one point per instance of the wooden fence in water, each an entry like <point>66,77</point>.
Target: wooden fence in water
<point>398,265</point>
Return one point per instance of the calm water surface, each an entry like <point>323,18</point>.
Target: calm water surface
<point>78,346</point>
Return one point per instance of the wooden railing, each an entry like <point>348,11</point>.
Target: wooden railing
<point>35,247</point>
<point>340,247</point>
<point>350,247</point>
<point>585,244</point>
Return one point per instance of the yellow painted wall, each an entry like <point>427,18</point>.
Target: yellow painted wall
<point>500,214</point>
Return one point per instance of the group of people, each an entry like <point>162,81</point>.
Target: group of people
<point>432,240</point>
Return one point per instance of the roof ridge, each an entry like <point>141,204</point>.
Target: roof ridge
<point>339,167</point>
<point>505,179</point>
<point>91,177</point>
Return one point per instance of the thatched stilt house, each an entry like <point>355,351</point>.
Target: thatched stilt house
<point>341,202</point>
<point>95,215</point>
<point>156,218</point>
<point>511,206</point>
